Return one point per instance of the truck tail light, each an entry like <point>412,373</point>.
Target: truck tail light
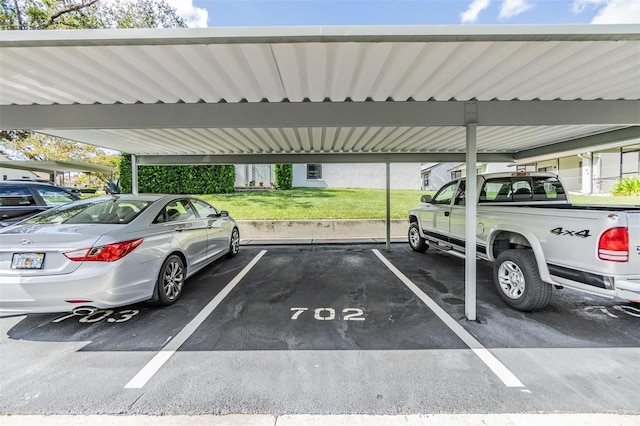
<point>108,253</point>
<point>614,245</point>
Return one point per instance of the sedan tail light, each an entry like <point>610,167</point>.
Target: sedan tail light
<point>108,253</point>
<point>614,245</point>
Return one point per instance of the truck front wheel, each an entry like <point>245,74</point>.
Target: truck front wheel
<point>416,242</point>
<point>516,276</point>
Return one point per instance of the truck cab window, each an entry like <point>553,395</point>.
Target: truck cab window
<point>445,195</point>
<point>460,197</point>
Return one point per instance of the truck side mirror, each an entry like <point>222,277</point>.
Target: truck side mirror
<point>426,198</point>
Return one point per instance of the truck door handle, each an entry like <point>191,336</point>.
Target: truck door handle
<point>446,213</point>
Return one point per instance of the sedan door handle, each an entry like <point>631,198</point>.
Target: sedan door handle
<point>179,228</point>
<point>446,213</point>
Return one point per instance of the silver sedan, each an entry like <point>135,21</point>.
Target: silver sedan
<point>110,251</point>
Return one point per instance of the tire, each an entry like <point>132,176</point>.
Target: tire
<point>170,281</point>
<point>234,243</point>
<point>416,242</point>
<point>516,276</point>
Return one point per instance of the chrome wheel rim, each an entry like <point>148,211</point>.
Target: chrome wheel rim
<point>414,237</point>
<point>173,278</point>
<point>511,280</point>
<point>235,241</point>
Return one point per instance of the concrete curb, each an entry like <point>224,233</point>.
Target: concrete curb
<point>305,230</point>
<point>583,419</point>
<point>317,241</point>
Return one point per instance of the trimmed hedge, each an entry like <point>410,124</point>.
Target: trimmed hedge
<point>284,176</point>
<point>178,179</point>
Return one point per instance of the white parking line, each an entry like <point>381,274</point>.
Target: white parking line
<point>170,348</point>
<point>498,368</point>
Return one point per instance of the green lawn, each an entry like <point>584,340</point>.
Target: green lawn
<point>316,203</point>
<point>604,199</point>
<point>342,203</point>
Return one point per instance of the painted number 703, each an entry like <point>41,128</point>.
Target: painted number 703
<point>328,314</point>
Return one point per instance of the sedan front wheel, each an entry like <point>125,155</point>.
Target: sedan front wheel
<point>234,243</point>
<point>416,242</point>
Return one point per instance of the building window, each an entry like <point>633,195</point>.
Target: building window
<point>425,179</point>
<point>314,171</point>
<point>456,174</point>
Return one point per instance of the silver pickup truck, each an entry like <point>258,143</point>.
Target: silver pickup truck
<point>535,237</point>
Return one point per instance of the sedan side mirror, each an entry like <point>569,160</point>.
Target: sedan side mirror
<point>426,198</point>
<point>224,213</point>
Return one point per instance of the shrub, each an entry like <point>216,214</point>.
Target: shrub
<point>284,176</point>
<point>627,186</point>
<point>178,179</point>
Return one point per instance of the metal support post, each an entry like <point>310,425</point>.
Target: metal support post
<point>470,218</point>
<point>388,166</point>
<point>134,175</point>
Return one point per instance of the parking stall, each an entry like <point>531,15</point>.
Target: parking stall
<point>324,329</point>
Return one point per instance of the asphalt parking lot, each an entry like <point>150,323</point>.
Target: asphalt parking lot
<point>327,329</point>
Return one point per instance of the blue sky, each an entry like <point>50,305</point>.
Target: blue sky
<point>225,13</point>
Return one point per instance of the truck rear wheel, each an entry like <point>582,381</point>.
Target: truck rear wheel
<point>416,242</point>
<point>516,276</point>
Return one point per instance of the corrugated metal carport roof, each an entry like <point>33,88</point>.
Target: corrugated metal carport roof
<point>322,94</point>
<point>57,166</point>
<point>309,93</point>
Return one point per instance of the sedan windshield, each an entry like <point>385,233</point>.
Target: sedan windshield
<point>103,211</point>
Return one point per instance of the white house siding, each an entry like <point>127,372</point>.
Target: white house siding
<point>631,162</point>
<point>254,173</point>
<point>402,176</point>
<point>496,167</point>
<point>609,173</point>
<point>439,174</point>
<point>570,172</point>
<point>17,174</point>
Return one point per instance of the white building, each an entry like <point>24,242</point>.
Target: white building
<point>402,175</point>
<point>11,173</point>
<point>594,172</point>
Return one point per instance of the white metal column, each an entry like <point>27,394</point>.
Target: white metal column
<point>134,174</point>
<point>470,208</point>
<point>388,247</point>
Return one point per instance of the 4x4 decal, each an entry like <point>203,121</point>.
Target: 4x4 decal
<point>561,231</point>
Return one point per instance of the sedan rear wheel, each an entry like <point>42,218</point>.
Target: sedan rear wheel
<point>170,280</point>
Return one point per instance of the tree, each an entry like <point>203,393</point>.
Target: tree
<point>75,14</point>
<point>18,144</point>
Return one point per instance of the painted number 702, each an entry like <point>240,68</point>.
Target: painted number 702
<point>328,314</point>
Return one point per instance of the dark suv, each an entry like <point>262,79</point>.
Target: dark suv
<point>22,199</point>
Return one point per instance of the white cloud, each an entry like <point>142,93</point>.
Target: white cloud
<point>511,8</point>
<point>474,9</point>
<point>193,16</point>
<point>611,11</point>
